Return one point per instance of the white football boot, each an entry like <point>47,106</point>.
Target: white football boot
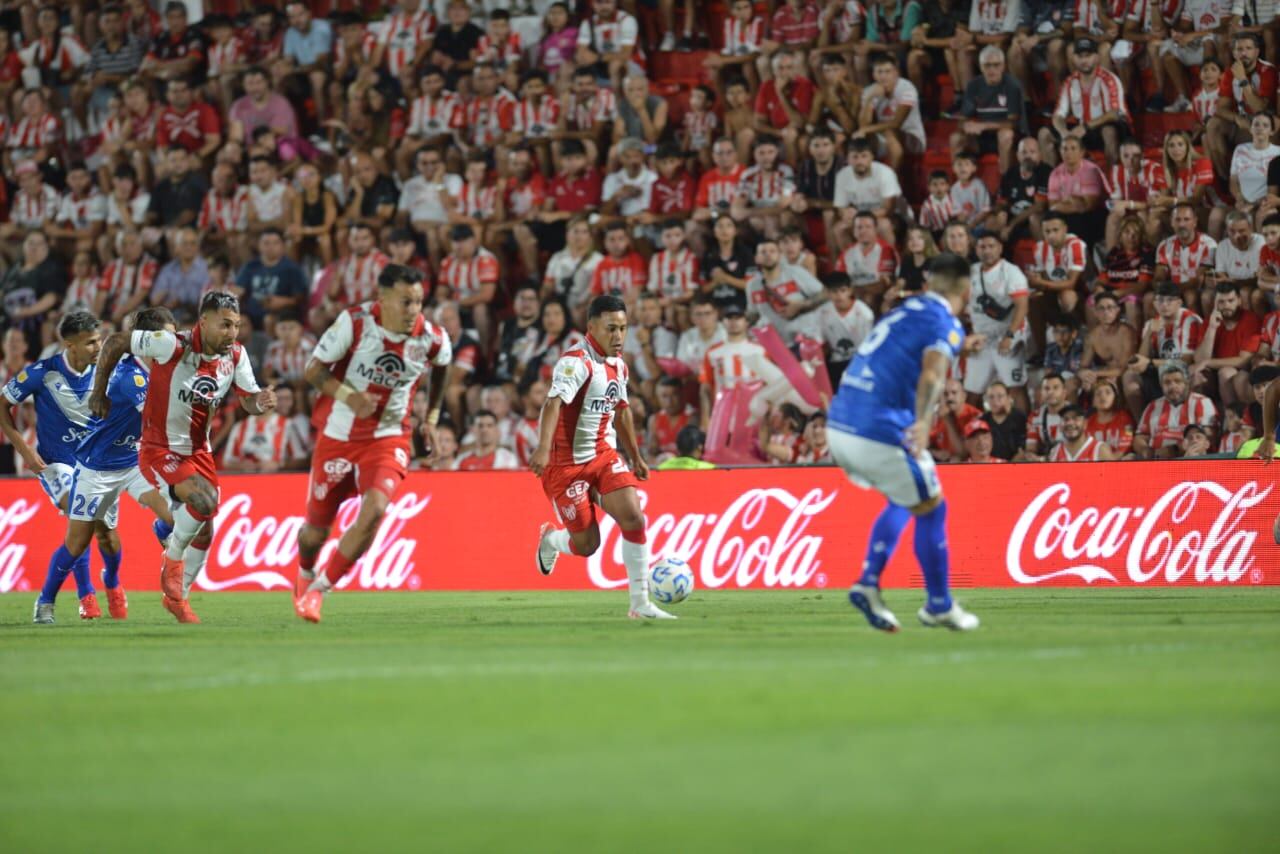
<point>43,613</point>
<point>956,619</point>
<point>868,600</point>
<point>547,553</point>
<point>649,611</point>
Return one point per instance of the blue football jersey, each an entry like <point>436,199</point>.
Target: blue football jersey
<point>877,395</point>
<point>112,443</point>
<point>62,405</point>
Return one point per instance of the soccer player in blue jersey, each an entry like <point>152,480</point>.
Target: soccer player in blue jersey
<point>107,465</point>
<point>878,431</point>
<point>60,385</point>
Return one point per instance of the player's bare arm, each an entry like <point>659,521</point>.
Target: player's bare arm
<point>318,375</point>
<point>546,429</point>
<point>627,438</point>
<point>113,349</point>
<point>933,376</point>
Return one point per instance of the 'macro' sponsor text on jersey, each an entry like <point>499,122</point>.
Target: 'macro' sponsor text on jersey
<point>383,364</point>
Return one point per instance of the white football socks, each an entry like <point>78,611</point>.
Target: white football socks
<point>192,562</point>
<point>559,539</point>
<point>185,528</point>
<point>635,557</point>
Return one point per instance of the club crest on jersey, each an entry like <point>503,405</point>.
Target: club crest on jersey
<point>203,391</point>
<point>612,392</point>
<point>386,370</point>
<point>416,352</point>
<point>402,457</point>
<point>568,512</point>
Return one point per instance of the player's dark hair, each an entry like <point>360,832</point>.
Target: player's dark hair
<point>605,304</point>
<point>152,319</point>
<point>394,274</point>
<point>75,322</point>
<point>218,300</point>
<point>689,440</point>
<point>946,268</point>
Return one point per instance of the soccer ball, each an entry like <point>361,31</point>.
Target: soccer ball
<point>670,581</point>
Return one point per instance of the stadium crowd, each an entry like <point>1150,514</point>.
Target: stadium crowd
<point>731,169</point>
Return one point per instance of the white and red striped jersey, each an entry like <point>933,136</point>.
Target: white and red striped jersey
<point>1177,339</point>
<point>866,264</point>
<point>1137,186</point>
<point>68,55</point>
<point>624,277</point>
<point>466,278</point>
<point>358,276</point>
<point>384,365</point>
<point>970,199</point>
<point>224,214</point>
<point>479,201</point>
<point>283,363</point>
<point>1058,264</point>
<point>499,55</point>
<point>80,293</point>
<point>1205,14</point>
<point>142,128</point>
<point>767,188</point>
<point>700,129</point>
<point>1140,11</point>
<point>729,363</point>
<point>1230,443</point>
<point>611,36</point>
<point>583,114</point>
<point>674,276</point>
<point>403,33</point>
<point>1086,15</point>
<point>223,57</point>
<point>1090,451</point>
<point>989,17</point>
<point>262,438</point>
<point>28,134</point>
<point>526,439</point>
<point>364,51</point>
<point>742,39</point>
<point>83,211</point>
<point>1085,101</point>
<point>121,280</point>
<point>1185,261</point>
<point>1163,422</point>
<point>186,387</point>
<point>1271,332</point>
<point>1044,427</point>
<point>935,213</point>
<point>489,118</point>
<point>849,16</point>
<point>535,121</point>
<point>591,386</point>
<point>34,210</point>
<point>1204,104</point>
<point>435,116</point>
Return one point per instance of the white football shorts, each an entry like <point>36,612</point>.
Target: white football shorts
<point>95,495</point>
<point>903,479</point>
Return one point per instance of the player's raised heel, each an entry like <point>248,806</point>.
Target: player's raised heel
<point>649,611</point>
<point>43,613</point>
<point>117,603</point>
<point>308,606</point>
<point>867,599</point>
<point>171,578</point>
<point>957,619</point>
<point>301,583</point>
<point>89,609</point>
<point>547,554</point>
<point>181,609</point>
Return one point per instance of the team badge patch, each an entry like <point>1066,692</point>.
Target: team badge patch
<point>22,376</point>
<point>954,338</point>
<point>139,381</point>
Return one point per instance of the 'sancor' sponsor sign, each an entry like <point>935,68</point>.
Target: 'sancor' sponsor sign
<point>1100,524</point>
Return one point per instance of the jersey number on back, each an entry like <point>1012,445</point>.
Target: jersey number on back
<point>880,333</point>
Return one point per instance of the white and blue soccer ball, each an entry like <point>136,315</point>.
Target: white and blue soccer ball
<point>670,581</point>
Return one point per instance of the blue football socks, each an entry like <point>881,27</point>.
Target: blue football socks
<point>884,538</point>
<point>111,575</point>
<point>931,551</point>
<point>80,570</point>
<point>62,564</point>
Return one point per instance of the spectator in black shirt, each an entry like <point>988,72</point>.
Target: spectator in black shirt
<point>994,110</point>
<point>520,334</point>
<point>31,289</point>
<point>373,197</point>
<point>941,41</point>
<point>816,182</point>
<point>1008,425</point>
<point>178,51</point>
<point>1023,196</point>
<point>177,199</point>
<point>454,43</point>
<point>725,266</point>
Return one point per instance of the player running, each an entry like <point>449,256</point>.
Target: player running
<point>878,429</point>
<point>107,465</point>
<point>365,366</point>
<point>60,385</point>
<point>577,454</point>
<point>191,372</point>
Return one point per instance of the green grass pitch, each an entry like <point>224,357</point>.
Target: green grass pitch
<point>1075,721</point>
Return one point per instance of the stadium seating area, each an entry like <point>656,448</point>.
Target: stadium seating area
<point>760,181</point>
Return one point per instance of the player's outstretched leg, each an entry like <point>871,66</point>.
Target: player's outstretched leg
<point>931,550</point>
<point>61,564</point>
<point>353,544</point>
<point>193,559</point>
<point>624,506</point>
<point>865,594</point>
<point>199,499</point>
<point>112,553</point>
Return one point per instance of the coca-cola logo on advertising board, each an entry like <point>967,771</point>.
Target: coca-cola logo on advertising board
<point>1009,526</point>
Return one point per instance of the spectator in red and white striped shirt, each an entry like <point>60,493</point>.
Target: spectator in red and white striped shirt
<point>36,136</point>
<point>743,40</point>
<point>1059,263</point>
<point>127,281</point>
<point>288,354</point>
<point>1163,424</point>
<point>1090,107</point>
<point>469,275</point>
<point>764,190</point>
<point>224,215</point>
<point>535,117</point>
<point>34,207</point>
<point>673,275</point>
<point>937,210</point>
<point>1186,256</point>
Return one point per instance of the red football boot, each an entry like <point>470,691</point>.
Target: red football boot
<point>300,585</point>
<point>171,578</point>
<point>181,609</point>
<point>89,609</point>
<point>308,606</point>
<point>117,603</point>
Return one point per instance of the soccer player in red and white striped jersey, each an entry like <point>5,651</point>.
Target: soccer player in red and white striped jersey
<point>1164,421</point>
<point>191,373</point>
<point>366,368</point>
